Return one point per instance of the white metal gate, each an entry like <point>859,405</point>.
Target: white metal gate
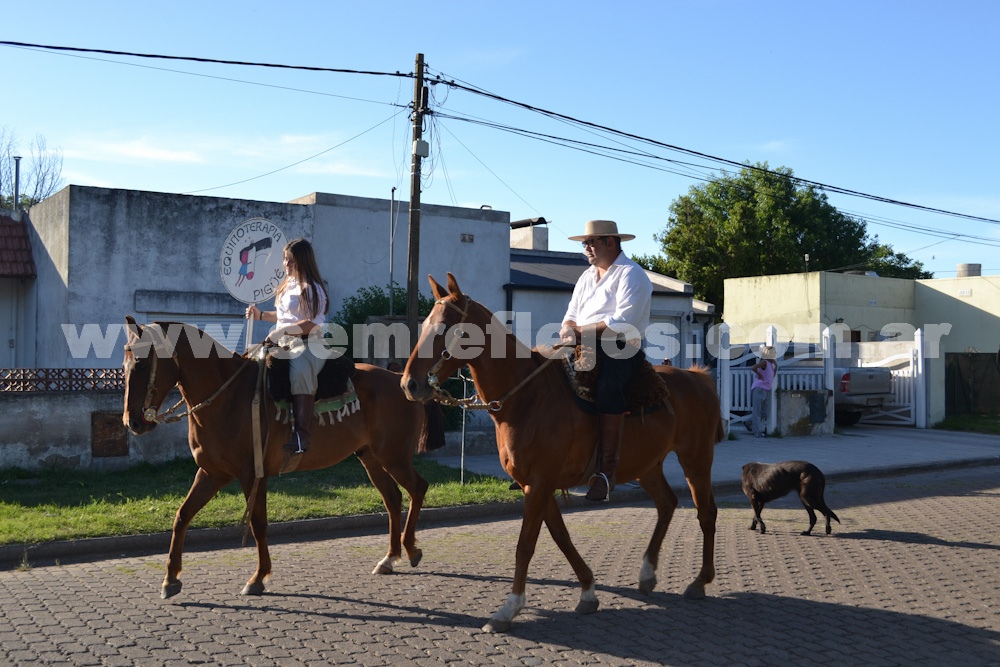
<point>812,369</point>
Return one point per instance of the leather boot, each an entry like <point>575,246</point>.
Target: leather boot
<point>302,409</point>
<point>603,483</point>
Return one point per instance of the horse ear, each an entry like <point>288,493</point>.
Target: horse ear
<point>131,327</point>
<point>438,291</point>
<point>453,285</point>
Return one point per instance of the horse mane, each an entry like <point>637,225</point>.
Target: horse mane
<point>204,345</point>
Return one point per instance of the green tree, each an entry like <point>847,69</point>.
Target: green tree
<point>40,171</point>
<point>763,222</point>
<point>373,301</point>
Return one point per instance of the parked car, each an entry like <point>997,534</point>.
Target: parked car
<point>860,391</point>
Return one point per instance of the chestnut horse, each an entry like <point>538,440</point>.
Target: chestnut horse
<point>546,442</point>
<point>218,387</point>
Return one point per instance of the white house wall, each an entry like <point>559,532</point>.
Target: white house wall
<point>103,253</point>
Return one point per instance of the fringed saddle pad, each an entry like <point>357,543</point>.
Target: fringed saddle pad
<point>335,394</point>
<point>646,390</point>
<point>328,410</point>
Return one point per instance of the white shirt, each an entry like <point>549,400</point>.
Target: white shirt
<point>291,307</point>
<point>622,296</point>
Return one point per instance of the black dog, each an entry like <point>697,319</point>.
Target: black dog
<point>764,482</point>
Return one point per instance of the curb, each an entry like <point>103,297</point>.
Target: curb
<point>202,539</point>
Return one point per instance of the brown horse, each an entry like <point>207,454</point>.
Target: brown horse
<point>546,442</point>
<point>218,387</point>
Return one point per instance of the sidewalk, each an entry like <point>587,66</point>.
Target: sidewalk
<point>853,453</point>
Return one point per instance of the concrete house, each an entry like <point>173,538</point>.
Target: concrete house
<point>99,254</point>
<point>957,316</point>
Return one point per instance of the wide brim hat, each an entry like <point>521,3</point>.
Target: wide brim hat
<point>595,228</point>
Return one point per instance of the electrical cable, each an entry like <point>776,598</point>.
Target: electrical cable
<point>289,166</point>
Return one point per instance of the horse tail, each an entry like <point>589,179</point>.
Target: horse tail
<point>704,376</point>
<point>432,434</point>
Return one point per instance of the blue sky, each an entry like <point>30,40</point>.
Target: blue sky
<point>895,99</point>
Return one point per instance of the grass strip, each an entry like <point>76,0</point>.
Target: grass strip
<point>46,505</point>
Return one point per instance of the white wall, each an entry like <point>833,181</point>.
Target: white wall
<point>104,253</point>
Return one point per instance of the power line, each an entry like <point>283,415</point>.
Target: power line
<point>453,82</point>
<point>195,59</point>
<point>823,186</point>
<point>289,166</point>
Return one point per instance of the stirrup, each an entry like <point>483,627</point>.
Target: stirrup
<point>298,444</point>
<point>607,483</point>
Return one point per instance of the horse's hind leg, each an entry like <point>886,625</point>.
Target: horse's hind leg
<point>665,500</point>
<point>416,487</point>
<point>258,524</point>
<point>203,489</point>
<point>557,529</point>
<point>700,484</point>
<point>392,498</point>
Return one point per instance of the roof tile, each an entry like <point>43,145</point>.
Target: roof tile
<point>16,260</point>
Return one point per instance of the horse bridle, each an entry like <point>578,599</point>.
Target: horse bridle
<point>149,414</point>
<point>443,396</point>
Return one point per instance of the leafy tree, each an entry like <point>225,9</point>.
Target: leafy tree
<point>763,222</point>
<point>655,263</point>
<point>373,301</point>
<point>40,171</point>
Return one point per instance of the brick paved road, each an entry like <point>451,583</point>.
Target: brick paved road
<point>909,578</point>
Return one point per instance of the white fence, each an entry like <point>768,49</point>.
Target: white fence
<point>812,369</point>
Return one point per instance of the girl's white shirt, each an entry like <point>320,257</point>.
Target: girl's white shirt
<point>291,306</point>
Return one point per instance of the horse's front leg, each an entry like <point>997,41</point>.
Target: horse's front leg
<point>535,507</point>
<point>203,489</point>
<point>665,500</point>
<point>258,525</point>
<point>557,529</point>
<point>392,498</point>
<point>701,493</point>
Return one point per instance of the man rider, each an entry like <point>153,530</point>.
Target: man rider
<point>609,308</point>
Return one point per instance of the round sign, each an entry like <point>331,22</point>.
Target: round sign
<point>251,265</point>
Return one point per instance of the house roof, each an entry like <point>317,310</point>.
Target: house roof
<point>559,271</point>
<point>16,260</point>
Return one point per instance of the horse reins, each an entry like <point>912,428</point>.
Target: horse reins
<point>149,414</point>
<point>444,397</point>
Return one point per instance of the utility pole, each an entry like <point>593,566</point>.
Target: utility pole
<point>413,239</point>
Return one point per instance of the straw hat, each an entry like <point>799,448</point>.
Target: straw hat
<point>595,228</point>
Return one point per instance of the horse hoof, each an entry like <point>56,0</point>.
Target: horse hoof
<point>696,591</point>
<point>646,586</point>
<point>416,557</point>
<point>587,606</point>
<point>253,588</point>
<point>382,569</point>
<point>170,590</point>
<point>494,626</point>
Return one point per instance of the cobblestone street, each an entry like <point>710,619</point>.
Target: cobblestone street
<point>908,578</point>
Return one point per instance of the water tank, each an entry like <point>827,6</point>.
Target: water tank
<point>968,270</point>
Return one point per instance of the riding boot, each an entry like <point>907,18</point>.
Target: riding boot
<point>302,409</point>
<point>609,446</point>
